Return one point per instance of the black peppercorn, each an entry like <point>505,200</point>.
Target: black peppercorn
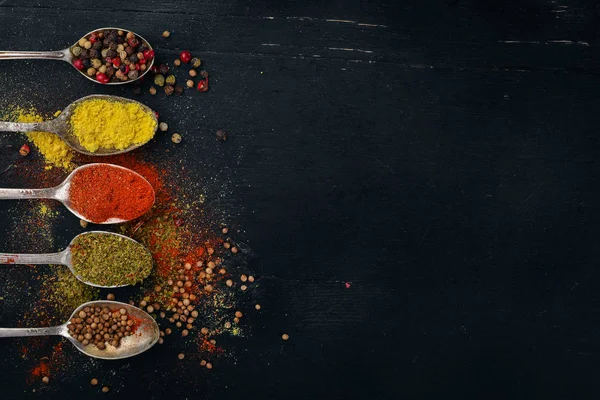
<point>179,90</point>
<point>85,53</point>
<point>112,37</point>
<point>97,45</point>
<point>129,50</point>
<point>113,46</point>
<point>110,71</point>
<point>204,74</point>
<point>137,90</point>
<point>120,40</point>
<point>163,69</point>
<point>142,48</point>
<point>221,135</point>
<point>123,68</point>
<point>86,63</point>
<point>94,53</point>
<point>133,58</point>
<point>111,53</point>
<point>133,42</point>
<point>106,32</point>
<point>169,90</point>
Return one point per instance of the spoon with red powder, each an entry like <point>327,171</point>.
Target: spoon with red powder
<point>98,193</point>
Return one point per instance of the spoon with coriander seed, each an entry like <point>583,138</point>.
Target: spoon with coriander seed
<point>110,56</point>
<point>97,125</point>
<point>122,330</point>
<point>98,193</point>
<point>100,259</point>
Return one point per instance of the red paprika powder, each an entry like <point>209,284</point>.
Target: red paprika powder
<point>101,192</point>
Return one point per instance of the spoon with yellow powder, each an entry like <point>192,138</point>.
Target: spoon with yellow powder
<point>97,125</point>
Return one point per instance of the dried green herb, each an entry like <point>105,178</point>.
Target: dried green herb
<point>110,260</point>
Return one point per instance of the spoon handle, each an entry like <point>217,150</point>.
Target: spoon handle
<point>22,126</point>
<point>25,55</point>
<point>18,194</point>
<point>49,258</point>
<point>24,332</point>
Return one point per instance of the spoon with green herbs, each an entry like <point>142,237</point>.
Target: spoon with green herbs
<point>140,332</point>
<point>110,56</point>
<point>100,259</point>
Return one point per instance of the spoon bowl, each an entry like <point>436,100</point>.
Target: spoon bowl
<point>63,258</point>
<point>145,336</point>
<point>61,193</point>
<point>61,126</point>
<point>67,55</point>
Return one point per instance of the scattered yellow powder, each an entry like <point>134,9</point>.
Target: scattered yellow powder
<point>55,151</point>
<point>107,124</point>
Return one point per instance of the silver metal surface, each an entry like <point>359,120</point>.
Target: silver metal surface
<point>60,258</point>
<point>66,55</point>
<point>145,336</point>
<point>61,192</point>
<point>62,127</point>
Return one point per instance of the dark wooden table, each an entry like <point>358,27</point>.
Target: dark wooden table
<point>439,156</point>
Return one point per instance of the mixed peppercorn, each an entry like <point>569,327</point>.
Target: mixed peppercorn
<point>112,56</point>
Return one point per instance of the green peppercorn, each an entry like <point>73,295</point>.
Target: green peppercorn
<point>170,80</point>
<point>159,80</point>
<point>104,52</point>
<point>76,50</point>
<point>196,62</point>
<point>96,63</point>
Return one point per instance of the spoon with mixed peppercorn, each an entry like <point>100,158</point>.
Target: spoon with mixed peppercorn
<point>111,56</point>
<point>100,259</point>
<point>99,193</point>
<point>109,330</point>
<point>97,125</point>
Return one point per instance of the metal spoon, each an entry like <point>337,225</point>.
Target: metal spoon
<point>61,193</point>
<point>62,258</point>
<point>61,126</point>
<point>66,55</point>
<point>146,335</point>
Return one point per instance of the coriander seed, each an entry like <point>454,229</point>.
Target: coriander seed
<point>105,389</point>
<point>243,288</point>
<point>285,336</point>
<point>110,296</point>
<point>204,331</point>
<point>177,62</point>
<point>190,83</point>
<point>152,90</point>
<point>239,314</point>
<point>257,307</point>
<point>227,325</point>
<point>229,282</point>
<point>250,278</point>
<point>94,381</point>
<point>45,379</point>
<point>184,332</point>
<point>166,34</point>
<point>243,278</point>
<point>236,320</point>
<point>234,250</point>
<point>83,223</point>
<point>208,366</point>
<point>176,138</point>
<point>181,356</point>
<point>225,230</point>
<point>163,126</point>
<point>203,363</point>
<point>193,72</point>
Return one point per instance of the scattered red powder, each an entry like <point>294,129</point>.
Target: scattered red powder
<point>39,371</point>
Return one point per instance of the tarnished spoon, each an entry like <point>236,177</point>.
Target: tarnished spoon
<point>62,193</point>
<point>66,55</point>
<point>61,126</point>
<point>62,258</point>
<point>145,336</point>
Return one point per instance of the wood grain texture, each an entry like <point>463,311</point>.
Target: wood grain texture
<point>439,155</point>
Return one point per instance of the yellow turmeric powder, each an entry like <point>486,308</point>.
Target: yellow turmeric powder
<point>55,151</point>
<point>107,124</point>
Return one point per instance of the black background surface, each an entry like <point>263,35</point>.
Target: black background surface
<point>439,155</point>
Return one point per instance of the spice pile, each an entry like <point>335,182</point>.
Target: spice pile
<point>108,124</point>
<point>112,56</point>
<point>109,260</point>
<point>101,326</point>
<point>104,192</point>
